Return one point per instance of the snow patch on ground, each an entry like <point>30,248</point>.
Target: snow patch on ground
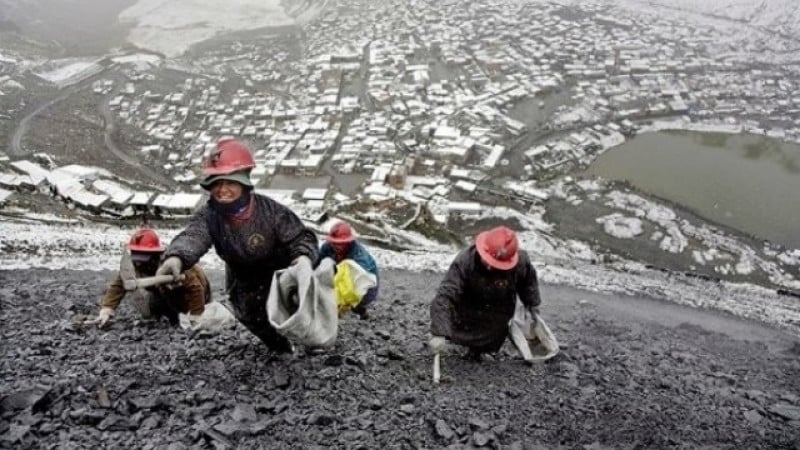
<point>673,241</point>
<point>302,12</point>
<point>771,24</point>
<point>67,70</point>
<point>620,226</point>
<point>172,26</point>
<point>7,59</point>
<point>138,59</point>
<point>708,245</point>
<point>684,124</point>
<point>12,85</point>
<point>790,257</point>
<point>79,246</point>
<point>782,15</point>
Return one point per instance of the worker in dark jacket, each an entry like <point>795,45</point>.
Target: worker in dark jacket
<point>477,297</point>
<point>341,244</point>
<point>253,234</point>
<point>189,296</point>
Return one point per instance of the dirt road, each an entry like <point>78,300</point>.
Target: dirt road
<point>634,373</point>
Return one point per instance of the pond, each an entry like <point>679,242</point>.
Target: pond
<point>747,182</point>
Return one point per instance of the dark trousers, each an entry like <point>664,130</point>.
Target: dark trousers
<point>491,347</point>
<point>369,297</point>
<point>250,308</point>
<point>151,305</point>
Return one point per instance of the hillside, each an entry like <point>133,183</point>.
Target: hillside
<point>73,28</point>
<point>633,373</point>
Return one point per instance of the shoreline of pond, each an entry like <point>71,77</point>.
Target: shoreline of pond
<point>601,168</point>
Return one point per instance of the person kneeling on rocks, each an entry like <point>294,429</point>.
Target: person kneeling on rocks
<point>341,244</point>
<point>477,297</point>
<point>188,296</point>
<point>252,233</point>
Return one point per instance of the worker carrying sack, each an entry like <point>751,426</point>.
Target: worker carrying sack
<point>531,335</point>
<point>351,283</point>
<point>302,306</point>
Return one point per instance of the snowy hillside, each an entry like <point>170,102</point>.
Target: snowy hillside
<point>85,246</point>
<point>172,26</point>
<point>782,16</point>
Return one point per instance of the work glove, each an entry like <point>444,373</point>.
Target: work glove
<point>103,317</point>
<point>437,344</point>
<point>301,258</point>
<point>171,266</point>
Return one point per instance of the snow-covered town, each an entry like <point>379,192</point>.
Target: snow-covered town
<point>433,117</point>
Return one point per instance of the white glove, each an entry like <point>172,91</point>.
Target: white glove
<point>437,344</point>
<point>303,258</point>
<point>170,266</point>
<point>104,316</point>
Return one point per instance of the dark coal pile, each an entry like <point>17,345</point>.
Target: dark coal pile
<point>620,382</point>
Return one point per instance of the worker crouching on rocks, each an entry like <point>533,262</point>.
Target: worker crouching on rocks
<point>188,296</point>
<point>252,233</point>
<point>341,244</point>
<point>477,297</point>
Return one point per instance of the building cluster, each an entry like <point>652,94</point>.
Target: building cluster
<point>434,102</point>
<point>90,189</point>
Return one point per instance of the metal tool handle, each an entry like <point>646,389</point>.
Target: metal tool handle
<point>157,280</point>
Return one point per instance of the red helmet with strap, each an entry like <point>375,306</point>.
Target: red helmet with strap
<point>145,240</point>
<point>498,248</point>
<point>229,157</point>
<point>341,233</point>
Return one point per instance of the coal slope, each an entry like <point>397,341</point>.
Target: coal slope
<point>620,382</point>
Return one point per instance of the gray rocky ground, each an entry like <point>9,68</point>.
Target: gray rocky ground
<point>633,373</point>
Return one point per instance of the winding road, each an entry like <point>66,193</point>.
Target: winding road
<point>111,146</point>
<point>15,146</point>
<point>16,149</point>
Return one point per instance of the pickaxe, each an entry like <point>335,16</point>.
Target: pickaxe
<point>437,372</point>
<point>129,280</point>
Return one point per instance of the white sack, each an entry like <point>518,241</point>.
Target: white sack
<point>302,303</point>
<point>215,317</point>
<point>531,335</point>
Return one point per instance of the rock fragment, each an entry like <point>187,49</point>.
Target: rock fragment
<point>320,419</point>
<point>443,430</point>
<point>15,433</point>
<point>786,411</point>
<point>244,412</point>
<point>478,423</point>
<point>753,416</point>
<point>281,380</point>
<point>334,361</point>
<point>102,397</point>
<point>481,439</point>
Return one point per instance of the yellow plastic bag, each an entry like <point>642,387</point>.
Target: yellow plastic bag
<point>346,296</point>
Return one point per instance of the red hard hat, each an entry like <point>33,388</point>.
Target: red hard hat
<point>230,156</point>
<point>145,240</point>
<point>498,247</point>
<point>341,233</point>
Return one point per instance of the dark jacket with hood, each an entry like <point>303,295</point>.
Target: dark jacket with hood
<point>473,304</point>
<point>253,249</point>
